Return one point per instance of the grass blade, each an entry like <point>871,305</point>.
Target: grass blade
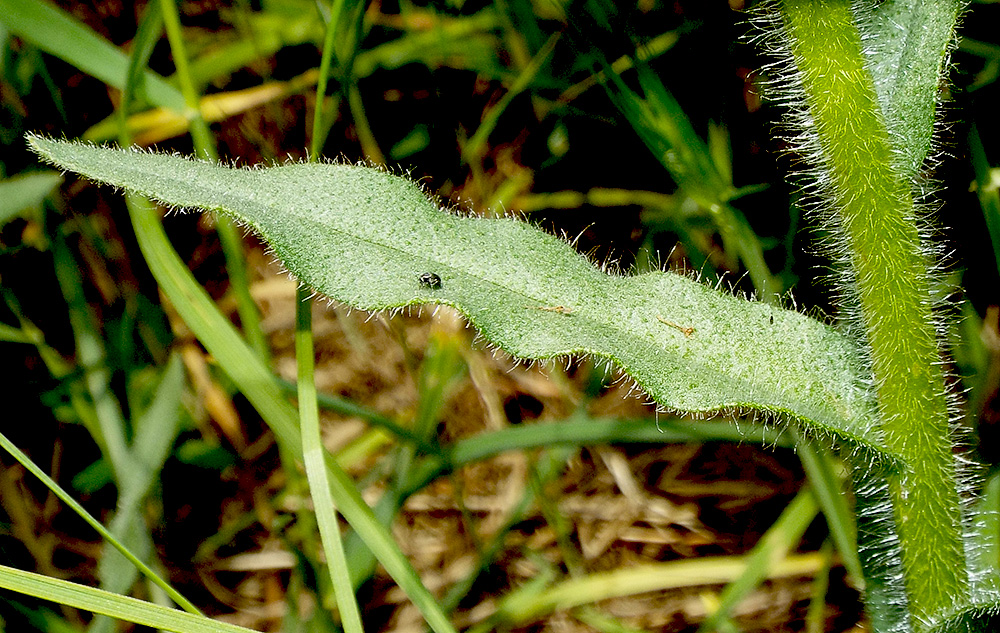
<point>57,490</point>
<point>313,456</point>
<point>58,33</point>
<point>110,604</point>
<point>260,387</point>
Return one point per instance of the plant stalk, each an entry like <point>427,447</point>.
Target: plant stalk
<point>874,208</point>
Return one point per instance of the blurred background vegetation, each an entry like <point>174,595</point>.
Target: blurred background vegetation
<point>644,130</point>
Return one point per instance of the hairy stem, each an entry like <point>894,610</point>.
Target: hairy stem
<point>874,209</point>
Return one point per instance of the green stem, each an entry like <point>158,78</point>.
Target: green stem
<point>314,455</point>
<point>318,137</point>
<point>875,212</point>
<point>204,143</point>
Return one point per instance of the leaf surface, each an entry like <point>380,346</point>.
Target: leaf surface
<point>366,237</point>
<point>906,46</point>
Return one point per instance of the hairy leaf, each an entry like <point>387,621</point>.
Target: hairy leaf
<point>978,618</point>
<point>905,47</point>
<point>375,241</point>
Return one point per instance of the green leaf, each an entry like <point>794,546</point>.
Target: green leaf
<point>155,432</point>
<point>25,191</point>
<point>59,33</point>
<point>365,237</point>
<point>906,45</point>
<point>110,604</point>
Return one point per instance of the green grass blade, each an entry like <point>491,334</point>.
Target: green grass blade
<point>204,142</point>
<point>91,356</point>
<point>441,369</point>
<point>155,431</point>
<point>988,190</point>
<point>365,237</point>
<point>583,430</point>
<point>313,456</point>
<point>58,33</point>
<point>30,333</point>
<point>25,191</point>
<point>578,430</point>
<point>146,37</point>
<point>468,42</point>
<point>128,527</point>
<point>475,148</point>
<point>816,613</point>
<point>157,426</point>
<point>257,383</point>
<point>110,604</point>
<point>984,544</point>
<point>319,129</point>
<point>773,547</point>
<point>639,579</point>
<point>25,461</point>
<point>819,467</point>
<point>666,130</point>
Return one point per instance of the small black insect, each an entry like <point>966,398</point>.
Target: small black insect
<point>430,280</point>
